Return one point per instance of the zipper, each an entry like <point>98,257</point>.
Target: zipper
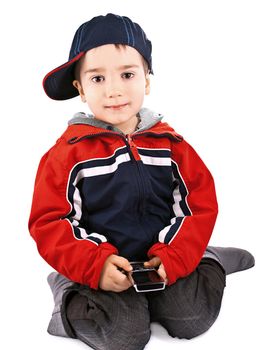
<point>132,147</point>
<point>133,151</point>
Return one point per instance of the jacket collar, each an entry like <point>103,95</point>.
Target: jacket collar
<point>150,123</point>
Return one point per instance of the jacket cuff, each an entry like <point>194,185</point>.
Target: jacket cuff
<point>174,266</point>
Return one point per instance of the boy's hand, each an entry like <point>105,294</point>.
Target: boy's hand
<point>112,279</point>
<point>155,262</point>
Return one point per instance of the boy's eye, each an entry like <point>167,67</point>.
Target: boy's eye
<point>127,75</point>
<point>98,79</point>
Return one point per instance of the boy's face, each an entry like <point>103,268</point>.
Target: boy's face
<point>113,83</point>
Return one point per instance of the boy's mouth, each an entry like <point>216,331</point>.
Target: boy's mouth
<point>115,107</point>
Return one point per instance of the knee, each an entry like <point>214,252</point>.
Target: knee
<point>190,327</point>
<point>189,331</point>
<point>198,320</point>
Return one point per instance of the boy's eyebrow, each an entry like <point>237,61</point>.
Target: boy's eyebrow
<point>101,69</point>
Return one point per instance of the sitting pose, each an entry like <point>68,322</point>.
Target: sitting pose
<point>120,186</point>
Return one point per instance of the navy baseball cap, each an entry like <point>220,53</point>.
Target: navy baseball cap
<point>100,30</point>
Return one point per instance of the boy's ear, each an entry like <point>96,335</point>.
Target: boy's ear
<point>147,86</point>
<point>79,87</point>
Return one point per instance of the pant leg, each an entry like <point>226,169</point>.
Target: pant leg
<point>108,320</point>
<point>190,306</point>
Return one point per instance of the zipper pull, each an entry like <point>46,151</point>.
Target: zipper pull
<point>133,147</point>
<point>130,141</point>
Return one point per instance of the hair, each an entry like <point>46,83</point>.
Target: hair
<point>77,66</point>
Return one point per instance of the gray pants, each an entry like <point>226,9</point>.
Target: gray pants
<point>115,321</point>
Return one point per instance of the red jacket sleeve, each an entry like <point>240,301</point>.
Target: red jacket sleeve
<point>80,260</point>
<point>181,244</point>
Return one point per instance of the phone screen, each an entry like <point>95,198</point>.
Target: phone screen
<point>145,279</point>
<point>146,276</point>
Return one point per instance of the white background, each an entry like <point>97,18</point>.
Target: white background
<point>206,83</point>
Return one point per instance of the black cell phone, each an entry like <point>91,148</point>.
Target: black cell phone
<point>145,279</point>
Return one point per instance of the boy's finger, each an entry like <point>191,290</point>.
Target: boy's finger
<point>123,263</point>
<point>154,262</point>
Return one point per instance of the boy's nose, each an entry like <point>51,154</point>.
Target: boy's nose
<point>113,89</point>
<point>114,93</point>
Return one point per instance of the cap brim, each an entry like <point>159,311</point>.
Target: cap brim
<point>58,84</point>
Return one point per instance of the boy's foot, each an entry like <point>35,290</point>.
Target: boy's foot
<point>58,285</point>
<point>231,259</point>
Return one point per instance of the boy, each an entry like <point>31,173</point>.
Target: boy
<point>121,186</point>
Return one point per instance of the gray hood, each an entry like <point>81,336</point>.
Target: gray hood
<point>147,117</point>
